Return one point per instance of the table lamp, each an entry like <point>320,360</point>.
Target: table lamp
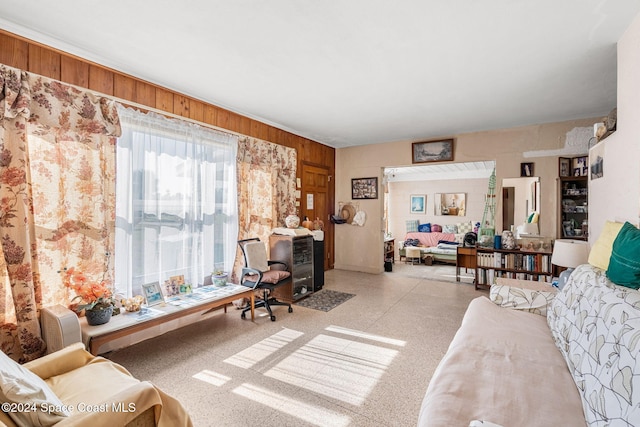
<point>570,254</point>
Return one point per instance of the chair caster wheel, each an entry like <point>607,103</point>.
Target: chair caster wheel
<point>290,310</point>
<point>243,316</point>
<point>273,318</point>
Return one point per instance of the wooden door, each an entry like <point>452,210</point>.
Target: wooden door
<point>314,202</point>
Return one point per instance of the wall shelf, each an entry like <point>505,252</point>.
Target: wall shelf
<point>573,208</point>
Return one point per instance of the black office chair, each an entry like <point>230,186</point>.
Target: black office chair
<point>258,274</point>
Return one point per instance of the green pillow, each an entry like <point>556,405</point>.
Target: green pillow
<point>624,264</point>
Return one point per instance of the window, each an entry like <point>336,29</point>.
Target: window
<point>176,209</point>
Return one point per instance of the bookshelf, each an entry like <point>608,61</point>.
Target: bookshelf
<point>512,264</point>
<point>573,219</point>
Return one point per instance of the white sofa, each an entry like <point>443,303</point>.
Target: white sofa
<point>579,365</point>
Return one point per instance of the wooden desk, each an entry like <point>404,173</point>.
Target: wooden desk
<point>203,300</point>
<point>465,257</point>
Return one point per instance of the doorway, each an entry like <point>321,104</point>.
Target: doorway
<point>508,207</point>
<point>521,199</point>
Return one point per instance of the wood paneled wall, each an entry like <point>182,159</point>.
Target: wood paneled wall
<point>34,57</point>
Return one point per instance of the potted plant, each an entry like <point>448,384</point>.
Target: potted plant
<point>219,277</point>
<point>96,298</point>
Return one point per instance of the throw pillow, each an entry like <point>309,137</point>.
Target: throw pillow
<point>464,227</point>
<point>272,276</point>
<point>425,228</point>
<point>435,228</point>
<point>601,250</point>
<point>624,265</point>
<point>21,386</point>
<point>412,225</point>
<point>450,228</point>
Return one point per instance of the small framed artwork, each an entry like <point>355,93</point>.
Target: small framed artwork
<point>580,166</point>
<point>364,188</point>
<point>432,151</point>
<point>152,293</point>
<point>596,161</point>
<point>526,169</point>
<point>418,204</point>
<point>564,166</point>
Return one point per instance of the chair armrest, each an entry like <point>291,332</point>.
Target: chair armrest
<point>278,263</point>
<point>61,361</point>
<point>134,401</point>
<point>246,271</point>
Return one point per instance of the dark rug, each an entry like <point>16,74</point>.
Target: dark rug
<point>325,300</point>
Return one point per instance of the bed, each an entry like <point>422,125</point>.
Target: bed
<point>441,243</point>
<point>431,244</point>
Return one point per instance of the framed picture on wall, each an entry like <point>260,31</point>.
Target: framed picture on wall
<point>432,151</point>
<point>364,188</point>
<point>564,166</point>
<point>526,169</point>
<point>580,166</point>
<point>596,161</point>
<point>418,204</point>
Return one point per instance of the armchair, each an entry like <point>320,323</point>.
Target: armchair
<point>258,275</point>
<point>90,390</point>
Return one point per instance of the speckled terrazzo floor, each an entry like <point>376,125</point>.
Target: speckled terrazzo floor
<point>366,362</point>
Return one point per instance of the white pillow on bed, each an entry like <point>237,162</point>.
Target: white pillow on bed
<point>447,245</point>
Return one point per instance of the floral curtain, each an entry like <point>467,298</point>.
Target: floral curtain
<point>57,198</point>
<point>266,187</point>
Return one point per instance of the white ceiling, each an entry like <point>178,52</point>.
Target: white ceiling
<point>440,171</point>
<point>355,72</point>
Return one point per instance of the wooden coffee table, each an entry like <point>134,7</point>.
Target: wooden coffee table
<point>202,300</point>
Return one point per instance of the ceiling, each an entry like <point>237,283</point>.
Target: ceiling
<point>440,171</point>
<point>356,72</point>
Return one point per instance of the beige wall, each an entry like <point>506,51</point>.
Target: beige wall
<point>616,196</point>
<point>361,248</point>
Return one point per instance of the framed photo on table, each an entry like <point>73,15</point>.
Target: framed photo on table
<point>152,293</point>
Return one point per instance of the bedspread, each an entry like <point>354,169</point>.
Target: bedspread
<point>432,239</point>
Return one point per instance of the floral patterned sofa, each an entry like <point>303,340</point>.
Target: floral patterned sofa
<point>579,365</point>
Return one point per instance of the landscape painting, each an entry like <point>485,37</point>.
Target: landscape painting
<point>433,151</point>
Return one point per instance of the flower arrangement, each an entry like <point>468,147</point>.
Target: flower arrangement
<point>93,295</point>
